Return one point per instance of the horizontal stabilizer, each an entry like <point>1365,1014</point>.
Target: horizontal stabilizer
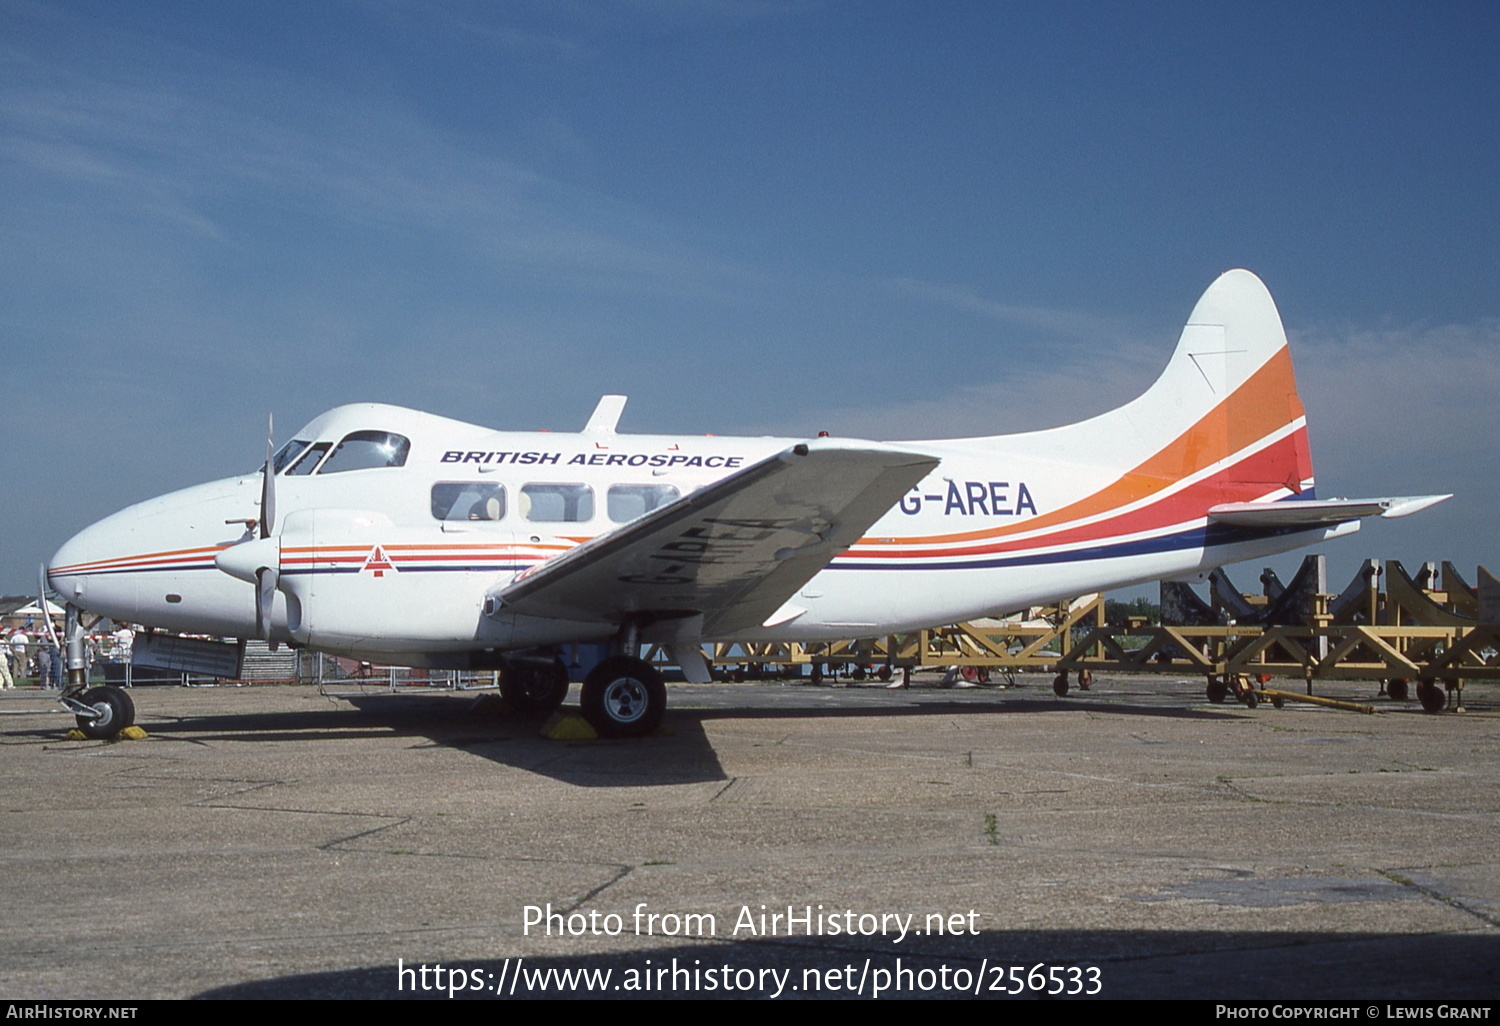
<point>1316,512</point>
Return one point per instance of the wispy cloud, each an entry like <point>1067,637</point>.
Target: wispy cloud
<point>188,140</point>
<point>1066,324</point>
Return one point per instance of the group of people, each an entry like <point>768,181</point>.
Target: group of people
<point>25,656</point>
<point>22,655</point>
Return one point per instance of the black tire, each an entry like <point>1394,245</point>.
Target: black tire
<point>1217,691</point>
<point>623,697</point>
<point>1250,698</point>
<point>116,712</point>
<point>1060,685</point>
<point>530,688</point>
<point>1395,690</point>
<point>1432,697</point>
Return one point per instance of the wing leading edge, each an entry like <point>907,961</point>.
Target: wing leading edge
<point>733,552</point>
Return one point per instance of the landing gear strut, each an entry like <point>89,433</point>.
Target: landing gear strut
<point>102,712</point>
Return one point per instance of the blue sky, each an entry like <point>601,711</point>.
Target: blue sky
<point>884,219</point>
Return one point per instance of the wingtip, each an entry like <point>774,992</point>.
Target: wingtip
<point>1409,504</point>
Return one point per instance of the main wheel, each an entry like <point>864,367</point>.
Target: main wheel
<point>623,697</point>
<point>1217,690</point>
<point>1060,685</point>
<point>115,712</point>
<point>529,688</point>
<point>1395,689</point>
<point>1432,697</point>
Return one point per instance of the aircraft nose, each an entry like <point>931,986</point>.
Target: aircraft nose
<point>145,560</point>
<point>79,570</point>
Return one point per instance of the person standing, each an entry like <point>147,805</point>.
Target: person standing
<point>55,665</point>
<point>19,643</point>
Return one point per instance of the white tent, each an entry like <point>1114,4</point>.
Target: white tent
<point>53,609</point>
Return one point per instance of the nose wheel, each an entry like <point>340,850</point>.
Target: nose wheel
<point>102,712</point>
<point>623,697</point>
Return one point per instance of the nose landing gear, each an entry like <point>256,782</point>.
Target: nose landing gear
<point>102,712</point>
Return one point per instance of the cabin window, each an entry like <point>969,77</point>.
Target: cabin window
<point>309,459</point>
<point>468,500</point>
<point>365,450</point>
<point>288,452</point>
<point>557,503</point>
<point>626,502</point>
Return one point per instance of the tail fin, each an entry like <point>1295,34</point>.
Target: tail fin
<point>1222,424</point>
<point>1228,397</point>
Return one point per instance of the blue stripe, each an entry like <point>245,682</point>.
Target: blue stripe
<point>441,568</point>
<point>1193,538</point>
<point>127,570</point>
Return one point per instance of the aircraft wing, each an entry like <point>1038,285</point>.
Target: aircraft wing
<point>1318,512</point>
<point>734,551</point>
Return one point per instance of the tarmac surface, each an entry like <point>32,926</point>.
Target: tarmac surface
<point>271,841</point>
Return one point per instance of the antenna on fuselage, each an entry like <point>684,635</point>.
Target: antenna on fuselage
<point>606,415</point>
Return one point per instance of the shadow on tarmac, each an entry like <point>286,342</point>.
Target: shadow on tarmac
<point>1356,967</point>
<point>681,754</point>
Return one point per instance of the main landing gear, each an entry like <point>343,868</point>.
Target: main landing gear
<point>623,697</point>
<point>535,687</point>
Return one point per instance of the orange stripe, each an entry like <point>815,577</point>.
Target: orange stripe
<point>1266,402</point>
<point>61,570</point>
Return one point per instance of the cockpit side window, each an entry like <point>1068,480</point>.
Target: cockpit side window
<point>626,502</point>
<point>468,500</point>
<point>363,450</point>
<point>288,452</point>
<point>309,459</point>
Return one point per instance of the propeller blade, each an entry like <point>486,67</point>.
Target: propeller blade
<point>268,483</point>
<point>41,601</point>
<point>265,599</point>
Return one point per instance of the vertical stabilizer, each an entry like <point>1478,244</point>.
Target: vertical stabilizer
<point>1227,402</point>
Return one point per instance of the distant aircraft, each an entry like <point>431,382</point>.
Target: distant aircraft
<point>394,536</point>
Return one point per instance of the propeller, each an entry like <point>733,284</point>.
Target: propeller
<point>268,482</point>
<point>258,561</point>
<point>41,601</point>
<point>266,577</point>
<point>265,599</point>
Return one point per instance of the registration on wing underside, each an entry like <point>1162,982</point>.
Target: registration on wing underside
<point>733,551</point>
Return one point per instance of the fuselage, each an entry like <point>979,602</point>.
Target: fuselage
<point>396,559</point>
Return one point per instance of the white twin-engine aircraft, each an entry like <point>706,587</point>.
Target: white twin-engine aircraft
<point>394,536</point>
